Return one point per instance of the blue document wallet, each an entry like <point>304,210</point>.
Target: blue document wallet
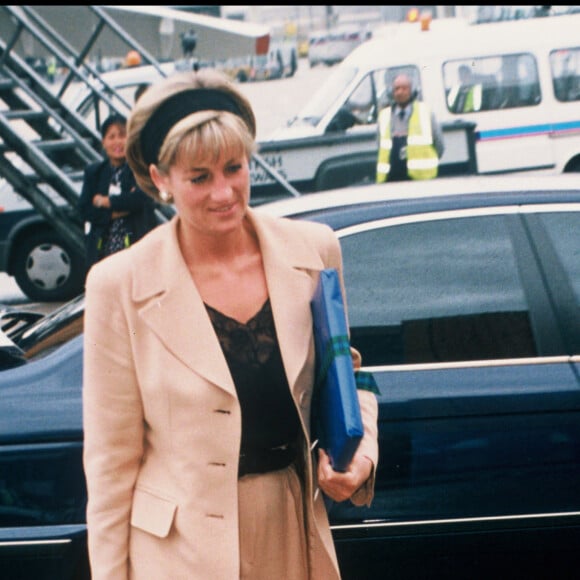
<point>336,416</point>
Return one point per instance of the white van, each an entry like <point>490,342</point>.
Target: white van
<point>331,46</point>
<point>525,117</point>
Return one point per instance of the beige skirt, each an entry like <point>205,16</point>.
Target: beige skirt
<point>272,530</point>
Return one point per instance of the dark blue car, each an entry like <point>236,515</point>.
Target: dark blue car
<point>464,299</point>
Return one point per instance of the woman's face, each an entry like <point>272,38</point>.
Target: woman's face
<point>114,143</point>
<point>210,197</point>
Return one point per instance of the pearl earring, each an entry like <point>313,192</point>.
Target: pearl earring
<point>165,196</point>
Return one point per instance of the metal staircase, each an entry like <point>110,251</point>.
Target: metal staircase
<point>47,138</point>
<point>45,145</point>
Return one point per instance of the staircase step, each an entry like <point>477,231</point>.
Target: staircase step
<point>6,84</point>
<point>24,115</point>
<point>55,144</point>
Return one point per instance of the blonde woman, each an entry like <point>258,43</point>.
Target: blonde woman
<point>199,366</point>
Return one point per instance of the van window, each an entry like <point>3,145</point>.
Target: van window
<point>326,96</point>
<point>362,102</point>
<point>491,83</point>
<point>392,72</point>
<point>373,93</point>
<point>565,65</point>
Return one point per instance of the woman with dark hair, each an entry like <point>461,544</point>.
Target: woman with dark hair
<point>115,211</point>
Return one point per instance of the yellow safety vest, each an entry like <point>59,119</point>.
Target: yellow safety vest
<point>422,159</point>
<point>472,102</point>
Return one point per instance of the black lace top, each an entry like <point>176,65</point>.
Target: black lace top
<point>269,417</point>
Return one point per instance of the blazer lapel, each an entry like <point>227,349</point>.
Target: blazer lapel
<point>288,264</point>
<point>172,307</point>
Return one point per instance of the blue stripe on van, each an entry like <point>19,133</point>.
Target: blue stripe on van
<point>528,131</point>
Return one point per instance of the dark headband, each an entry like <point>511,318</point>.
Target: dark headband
<point>178,107</point>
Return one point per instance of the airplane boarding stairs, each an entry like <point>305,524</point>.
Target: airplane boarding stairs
<point>45,145</point>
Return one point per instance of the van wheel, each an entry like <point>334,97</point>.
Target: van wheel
<point>47,269</point>
<point>573,166</point>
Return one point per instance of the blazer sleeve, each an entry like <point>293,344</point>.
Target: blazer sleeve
<point>113,423</point>
<point>369,445</point>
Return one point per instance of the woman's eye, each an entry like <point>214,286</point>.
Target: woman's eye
<point>199,179</point>
<point>234,168</point>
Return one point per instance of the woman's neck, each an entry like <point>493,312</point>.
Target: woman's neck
<point>201,250</point>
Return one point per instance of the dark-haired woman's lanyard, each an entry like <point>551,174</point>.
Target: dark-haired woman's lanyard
<point>117,238</point>
<point>115,183</point>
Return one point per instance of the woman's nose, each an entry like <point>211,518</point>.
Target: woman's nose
<point>223,186</point>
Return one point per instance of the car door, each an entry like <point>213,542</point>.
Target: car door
<point>42,485</point>
<point>469,321</point>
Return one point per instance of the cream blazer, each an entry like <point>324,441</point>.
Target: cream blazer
<point>162,421</point>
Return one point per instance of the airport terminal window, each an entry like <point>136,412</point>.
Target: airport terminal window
<point>490,83</point>
<point>565,66</point>
<point>436,291</point>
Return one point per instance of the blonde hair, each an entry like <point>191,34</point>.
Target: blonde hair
<point>203,135</point>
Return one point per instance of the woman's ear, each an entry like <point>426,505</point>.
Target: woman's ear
<point>158,179</point>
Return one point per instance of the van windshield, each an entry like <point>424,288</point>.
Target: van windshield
<point>326,96</point>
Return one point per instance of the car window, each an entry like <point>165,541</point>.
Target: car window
<point>464,441</point>
<point>42,484</point>
<point>563,231</point>
<point>435,291</point>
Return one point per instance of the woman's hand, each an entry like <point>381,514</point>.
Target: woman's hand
<point>340,486</point>
<point>100,200</point>
<point>356,358</point>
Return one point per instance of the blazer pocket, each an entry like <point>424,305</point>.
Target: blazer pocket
<point>152,514</point>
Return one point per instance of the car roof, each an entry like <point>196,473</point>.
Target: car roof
<point>416,190</point>
<point>43,401</point>
<point>126,77</point>
<point>137,74</point>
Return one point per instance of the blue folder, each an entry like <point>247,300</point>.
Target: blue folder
<point>336,416</point>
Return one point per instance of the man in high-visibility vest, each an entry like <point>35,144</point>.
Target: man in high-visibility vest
<point>466,96</point>
<point>410,139</point>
